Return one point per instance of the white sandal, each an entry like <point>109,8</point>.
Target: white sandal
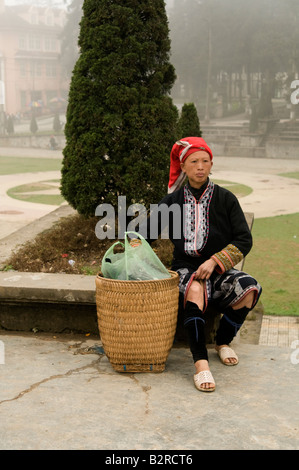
<point>203,377</point>
<point>225,353</point>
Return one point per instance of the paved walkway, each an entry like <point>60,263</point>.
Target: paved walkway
<point>279,331</point>
<point>61,393</point>
<point>272,194</point>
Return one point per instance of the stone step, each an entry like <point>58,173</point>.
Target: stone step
<point>246,152</point>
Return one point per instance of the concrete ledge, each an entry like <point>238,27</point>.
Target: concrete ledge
<point>47,287</point>
<point>31,141</point>
<point>47,302</point>
<point>44,301</point>
<point>246,151</point>
<point>48,318</point>
<point>60,303</point>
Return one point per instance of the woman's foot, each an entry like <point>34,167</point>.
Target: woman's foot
<point>227,355</point>
<point>203,378</point>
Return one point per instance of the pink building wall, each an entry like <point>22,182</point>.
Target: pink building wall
<point>30,65</point>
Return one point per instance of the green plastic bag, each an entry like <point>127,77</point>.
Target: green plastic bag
<point>138,262</point>
<point>114,264</point>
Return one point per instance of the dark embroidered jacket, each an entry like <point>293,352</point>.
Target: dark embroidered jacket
<point>212,224</point>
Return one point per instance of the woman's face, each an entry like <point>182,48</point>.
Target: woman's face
<point>197,168</point>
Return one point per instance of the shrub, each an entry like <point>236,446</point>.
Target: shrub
<point>121,122</point>
<point>33,125</point>
<point>188,125</point>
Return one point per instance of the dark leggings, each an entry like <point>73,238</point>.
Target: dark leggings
<point>194,323</point>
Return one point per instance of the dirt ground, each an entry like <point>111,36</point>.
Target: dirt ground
<point>71,246</point>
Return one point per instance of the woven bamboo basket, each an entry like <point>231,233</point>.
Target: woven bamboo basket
<point>137,321</point>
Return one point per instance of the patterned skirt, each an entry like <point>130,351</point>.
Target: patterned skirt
<point>221,290</point>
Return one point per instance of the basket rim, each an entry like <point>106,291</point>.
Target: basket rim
<point>173,274</point>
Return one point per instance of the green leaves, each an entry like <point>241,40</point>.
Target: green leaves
<point>121,123</point>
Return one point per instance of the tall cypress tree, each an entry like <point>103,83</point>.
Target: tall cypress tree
<point>121,122</point>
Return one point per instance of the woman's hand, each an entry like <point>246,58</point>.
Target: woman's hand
<point>205,270</point>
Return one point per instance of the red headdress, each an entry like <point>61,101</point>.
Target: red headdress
<point>180,151</point>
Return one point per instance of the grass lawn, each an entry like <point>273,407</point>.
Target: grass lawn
<point>240,190</point>
<point>33,192</point>
<point>294,174</point>
<point>274,262</point>
<point>13,165</point>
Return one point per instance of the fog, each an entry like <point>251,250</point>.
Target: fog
<point>59,3</point>
<point>226,53</point>
<point>233,50</point>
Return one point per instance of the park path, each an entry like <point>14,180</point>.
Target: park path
<point>14,213</point>
<point>272,194</point>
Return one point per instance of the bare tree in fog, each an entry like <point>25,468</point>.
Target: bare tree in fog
<point>246,44</point>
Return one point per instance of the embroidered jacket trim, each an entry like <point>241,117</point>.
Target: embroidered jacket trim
<point>227,258</point>
<point>196,217</point>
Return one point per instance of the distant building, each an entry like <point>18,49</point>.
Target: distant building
<point>30,68</point>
